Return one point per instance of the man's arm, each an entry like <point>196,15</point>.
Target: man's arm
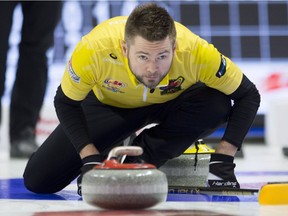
<point>246,103</point>
<point>226,148</point>
<point>88,150</point>
<point>221,167</point>
<point>73,122</point>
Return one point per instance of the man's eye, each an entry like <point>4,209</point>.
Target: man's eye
<point>142,58</point>
<point>162,57</point>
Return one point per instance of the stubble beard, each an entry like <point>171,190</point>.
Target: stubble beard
<point>148,84</point>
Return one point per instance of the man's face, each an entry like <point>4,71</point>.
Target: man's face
<point>149,61</point>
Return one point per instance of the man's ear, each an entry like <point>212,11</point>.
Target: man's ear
<point>174,47</point>
<point>124,48</point>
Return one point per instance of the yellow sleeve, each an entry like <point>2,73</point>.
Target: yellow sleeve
<point>216,70</point>
<point>79,76</point>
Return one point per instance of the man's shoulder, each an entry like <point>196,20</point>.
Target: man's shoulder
<point>107,34</point>
<point>186,38</point>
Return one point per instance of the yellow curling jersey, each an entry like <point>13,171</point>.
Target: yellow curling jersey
<point>98,64</point>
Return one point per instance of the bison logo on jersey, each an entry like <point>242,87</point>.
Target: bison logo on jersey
<point>173,86</point>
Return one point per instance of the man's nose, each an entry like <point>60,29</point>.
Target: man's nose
<point>152,67</point>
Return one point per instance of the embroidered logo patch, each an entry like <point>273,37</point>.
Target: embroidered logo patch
<point>112,55</point>
<point>72,74</point>
<point>113,59</point>
<point>114,85</point>
<point>222,69</point>
<point>173,86</point>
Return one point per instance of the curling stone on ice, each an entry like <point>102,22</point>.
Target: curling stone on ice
<point>191,168</point>
<point>116,185</point>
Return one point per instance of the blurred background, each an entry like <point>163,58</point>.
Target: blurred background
<point>254,34</point>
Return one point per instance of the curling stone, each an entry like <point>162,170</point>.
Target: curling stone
<point>189,169</point>
<point>274,193</point>
<point>116,185</point>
